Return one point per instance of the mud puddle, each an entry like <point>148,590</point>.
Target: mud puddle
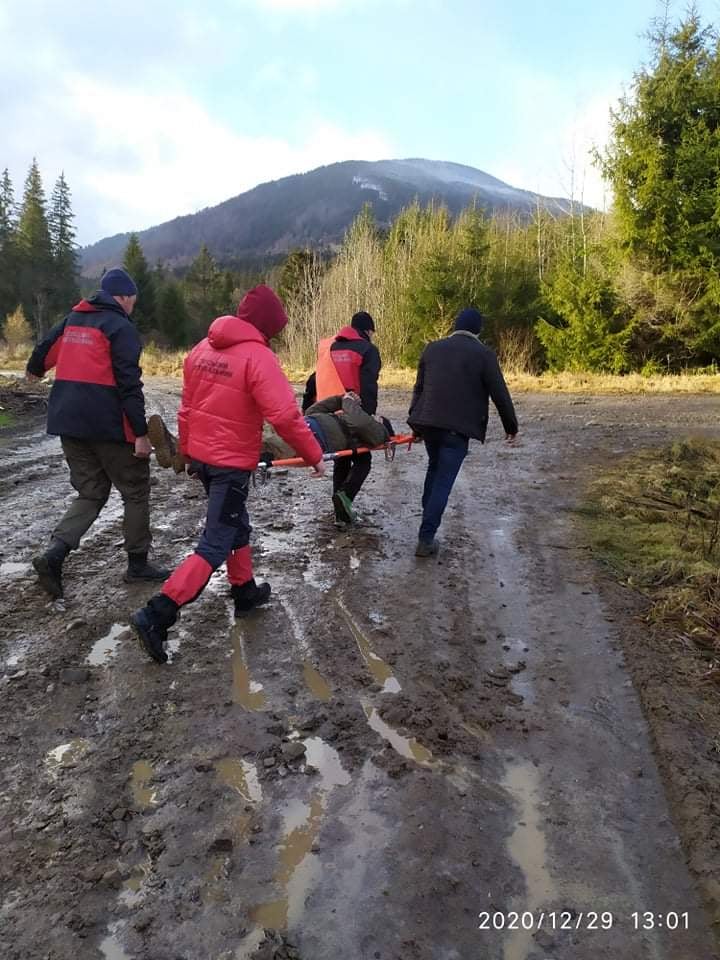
<point>407,747</point>
<point>247,692</point>
<point>380,670</point>
<point>106,647</point>
<point>242,776</point>
<point>143,793</point>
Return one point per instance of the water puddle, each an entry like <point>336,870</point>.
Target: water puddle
<point>302,826</point>
<point>111,948</point>
<point>378,668</point>
<point>527,848</point>
<point>143,794</point>
<point>131,892</point>
<point>327,760</point>
<point>11,570</point>
<point>66,754</point>
<point>315,575</point>
<point>316,684</point>
<point>242,776</point>
<point>354,561</point>
<point>105,648</point>
<point>405,746</point>
<point>298,868</point>
<point>246,691</point>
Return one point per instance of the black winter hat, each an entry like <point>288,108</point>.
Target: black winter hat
<point>469,319</point>
<point>118,283</point>
<point>362,322</point>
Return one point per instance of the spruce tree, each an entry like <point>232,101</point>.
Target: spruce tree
<point>173,319</point>
<point>9,294</point>
<point>34,250</point>
<point>137,266</point>
<point>62,238</point>
<point>206,292</point>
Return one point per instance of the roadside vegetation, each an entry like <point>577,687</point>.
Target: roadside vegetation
<point>655,521</point>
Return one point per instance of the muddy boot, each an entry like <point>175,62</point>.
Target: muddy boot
<point>152,623</point>
<point>424,549</point>
<point>139,569</point>
<point>249,595</point>
<point>164,443</point>
<point>48,567</point>
<point>344,512</point>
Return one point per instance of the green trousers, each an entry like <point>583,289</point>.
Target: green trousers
<point>95,467</point>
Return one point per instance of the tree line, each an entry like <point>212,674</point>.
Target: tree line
<point>634,288</point>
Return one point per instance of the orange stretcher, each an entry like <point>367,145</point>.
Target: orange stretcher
<point>389,448</point>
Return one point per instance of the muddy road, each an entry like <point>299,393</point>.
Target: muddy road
<point>396,760</point>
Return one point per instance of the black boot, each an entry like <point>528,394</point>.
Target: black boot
<point>139,569</point>
<point>151,625</point>
<point>249,595</point>
<point>48,567</point>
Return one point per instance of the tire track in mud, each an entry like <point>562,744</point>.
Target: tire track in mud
<point>185,817</point>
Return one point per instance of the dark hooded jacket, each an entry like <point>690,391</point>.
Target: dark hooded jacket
<point>456,377</point>
<point>98,390</point>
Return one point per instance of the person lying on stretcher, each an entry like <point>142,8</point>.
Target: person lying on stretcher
<point>339,423</point>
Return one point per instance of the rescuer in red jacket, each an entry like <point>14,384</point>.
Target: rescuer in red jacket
<point>232,382</point>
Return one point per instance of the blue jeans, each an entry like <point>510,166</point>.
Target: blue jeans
<point>446,451</point>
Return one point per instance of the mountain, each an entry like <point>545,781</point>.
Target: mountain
<point>314,209</point>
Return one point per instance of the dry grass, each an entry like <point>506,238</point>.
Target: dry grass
<point>655,519</point>
<point>166,363</point>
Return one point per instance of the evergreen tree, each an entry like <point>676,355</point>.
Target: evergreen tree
<point>207,292</point>
<point>9,294</point>
<point>62,238</point>
<point>662,161</point>
<point>34,250</point>
<point>137,266</point>
<point>173,317</point>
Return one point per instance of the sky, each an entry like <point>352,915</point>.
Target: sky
<point>156,108</point>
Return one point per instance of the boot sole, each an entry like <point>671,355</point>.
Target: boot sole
<point>129,578</point>
<point>145,645</point>
<point>48,581</point>
<point>160,438</point>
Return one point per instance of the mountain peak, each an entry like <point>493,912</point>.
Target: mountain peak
<point>314,209</point>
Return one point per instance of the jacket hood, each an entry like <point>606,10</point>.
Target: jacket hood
<point>349,333</point>
<point>227,331</point>
<point>263,309</point>
<point>97,302</point>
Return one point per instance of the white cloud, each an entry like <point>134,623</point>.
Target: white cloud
<point>555,132</point>
<point>161,154</point>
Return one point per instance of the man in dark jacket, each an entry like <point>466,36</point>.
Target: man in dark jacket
<point>455,378</point>
<point>347,361</point>
<point>97,408</point>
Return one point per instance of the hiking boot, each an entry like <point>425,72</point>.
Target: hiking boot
<point>249,595</point>
<point>343,507</point>
<point>151,635</point>
<point>164,443</point>
<point>139,569</point>
<point>424,549</point>
<point>48,567</point>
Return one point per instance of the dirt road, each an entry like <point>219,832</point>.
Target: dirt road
<point>389,762</point>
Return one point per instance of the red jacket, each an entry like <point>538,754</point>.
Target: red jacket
<point>232,381</point>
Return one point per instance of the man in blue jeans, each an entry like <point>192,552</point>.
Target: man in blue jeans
<point>456,377</point>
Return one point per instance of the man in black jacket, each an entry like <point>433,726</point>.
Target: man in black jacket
<point>455,378</point>
<point>97,408</point>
